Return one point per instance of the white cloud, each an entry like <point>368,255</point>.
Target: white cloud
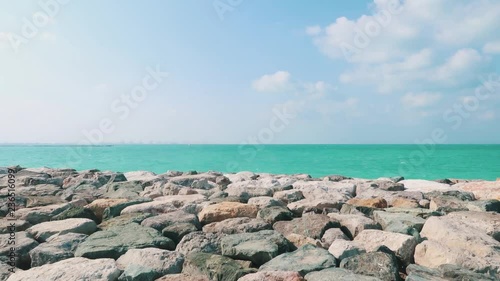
<point>492,47</point>
<point>462,62</point>
<point>277,82</point>
<point>420,100</point>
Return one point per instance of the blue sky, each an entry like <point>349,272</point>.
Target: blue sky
<point>375,71</point>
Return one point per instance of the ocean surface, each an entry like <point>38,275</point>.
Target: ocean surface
<point>361,161</point>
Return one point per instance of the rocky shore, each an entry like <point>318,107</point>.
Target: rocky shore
<point>178,226</point>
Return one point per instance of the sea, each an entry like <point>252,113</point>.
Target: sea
<point>359,161</point>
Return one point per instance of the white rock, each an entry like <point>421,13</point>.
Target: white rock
<point>342,249</point>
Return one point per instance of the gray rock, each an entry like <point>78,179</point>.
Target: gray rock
<point>337,274</point>
<point>306,259</point>
<point>127,190</point>
<point>161,221</point>
<point>377,264</point>
<point>398,222</point>
<point>177,231</point>
<point>200,242</point>
<point>41,232</point>
<point>313,225</point>
<point>274,214</point>
<point>215,267</point>
<point>58,248</point>
<point>237,225</point>
<point>331,235</point>
<point>444,273</point>
<point>149,264</point>
<point>124,220</point>
<point>259,247</point>
<point>24,243</point>
<point>342,249</point>
<point>115,241</point>
<point>115,210</point>
<point>352,225</point>
<point>7,226</point>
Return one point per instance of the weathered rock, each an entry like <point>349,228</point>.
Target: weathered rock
<point>237,225</point>
<point>98,206</point>
<point>299,240</point>
<point>165,204</point>
<point>349,209</point>
<point>482,190</point>
<point>352,225</point>
<point>337,274</point>
<point>38,201</point>
<point>336,178</point>
<point>183,277</point>
<point>273,276</point>
<point>342,249</point>
<point>41,232</point>
<point>76,212</point>
<point>313,205</point>
<point>41,214</point>
<point>23,243</point>
<point>226,210</point>
<point>258,247</point>
<point>57,248</point>
<point>127,190</point>
<point>214,267</point>
<point>401,202</point>
<point>143,176</point>
<point>368,202</point>
<point>289,196</point>
<point>331,235</point>
<point>148,264</point>
<point>161,221</point>
<point>398,222</point>
<point>426,186</point>
<point>306,259</point>
<point>462,239</point>
<point>443,273</point>
<point>124,220</point>
<point>71,269</point>
<point>115,241</point>
<point>377,264</point>
<point>6,270</point>
<point>274,214</point>
<point>7,226</point>
<point>402,245</point>
<point>177,231</point>
<point>264,202</point>
<point>200,242</point>
<point>313,225</point>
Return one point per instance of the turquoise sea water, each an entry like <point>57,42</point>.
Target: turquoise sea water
<point>364,161</point>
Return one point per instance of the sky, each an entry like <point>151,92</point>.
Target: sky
<point>250,71</point>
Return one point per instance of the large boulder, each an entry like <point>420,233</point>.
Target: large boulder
<point>215,267</point>
<point>98,206</point>
<point>274,214</point>
<point>165,204</point>
<point>273,276</point>
<point>124,220</point>
<point>71,269</point>
<point>482,190</point>
<point>226,210</point>
<point>311,225</point>
<point>398,222</point>
<point>161,221</point>
<point>258,247</point>
<point>465,239</point>
<point>352,225</point>
<point>444,272</point>
<point>200,242</point>
<point>148,264</point>
<point>402,245</point>
<point>376,264</point>
<point>426,186</point>
<point>57,248</point>
<point>237,225</point>
<point>37,215</point>
<point>342,249</point>
<point>337,274</point>
<point>24,243</point>
<point>115,241</point>
<point>41,232</point>
<point>306,259</point>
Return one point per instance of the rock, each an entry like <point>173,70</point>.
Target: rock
<point>41,214</point>
<point>98,206</point>
<point>143,176</point>
<point>200,242</point>
<point>165,204</point>
<point>37,201</point>
<point>127,190</point>
<point>177,231</point>
<point>484,206</point>
<point>274,214</point>
<point>115,209</point>
<point>444,272</point>
<point>337,274</point>
<point>299,240</point>
<point>342,249</point>
<point>265,201</point>
<point>352,225</point>
<point>461,239</point>
<point>289,196</point>
<point>214,267</point>
<point>124,220</point>
<point>334,192</point>
<point>376,264</point>
<point>313,226</point>
<point>313,205</point>
<point>6,226</point>
<point>59,247</point>
<point>161,221</point>
<point>183,277</point>
<point>115,241</point>
<point>306,259</point>
<point>331,235</point>
<point>402,245</point>
<point>258,247</point>
<point>348,209</point>
<point>273,276</point>
<point>149,264</point>
<point>41,232</point>
<point>6,270</point>
<point>426,186</point>
<point>188,180</point>
<point>24,243</point>
<point>368,202</point>
<point>76,212</point>
<point>404,203</point>
<point>336,178</point>
<point>398,222</point>
<point>237,225</point>
<point>226,210</point>
<point>482,190</point>
<point>71,269</point>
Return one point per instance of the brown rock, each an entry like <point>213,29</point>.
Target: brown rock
<point>404,203</point>
<point>299,240</point>
<point>226,210</point>
<point>483,190</point>
<point>368,202</point>
<point>312,225</point>
<point>98,206</point>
